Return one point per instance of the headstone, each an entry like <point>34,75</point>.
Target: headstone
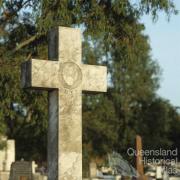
<point>159,172</point>
<point>21,170</point>
<point>10,158</point>
<point>7,155</point>
<point>34,166</point>
<point>65,77</point>
<point>93,170</point>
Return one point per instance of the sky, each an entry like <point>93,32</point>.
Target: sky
<point>164,38</point>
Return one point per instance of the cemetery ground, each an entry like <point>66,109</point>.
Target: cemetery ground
<point>78,93</point>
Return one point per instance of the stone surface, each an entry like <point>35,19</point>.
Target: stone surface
<point>65,77</point>
<point>7,155</point>
<point>159,174</point>
<point>4,175</point>
<point>93,170</point>
<point>21,170</point>
<point>38,176</point>
<point>10,154</point>
<point>2,159</point>
<point>34,166</point>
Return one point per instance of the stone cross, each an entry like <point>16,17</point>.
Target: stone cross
<point>65,77</point>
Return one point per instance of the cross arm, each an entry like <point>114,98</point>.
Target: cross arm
<point>94,78</point>
<point>39,74</point>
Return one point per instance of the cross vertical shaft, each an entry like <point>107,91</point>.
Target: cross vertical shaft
<point>65,121</point>
<point>53,113</point>
<point>65,77</point>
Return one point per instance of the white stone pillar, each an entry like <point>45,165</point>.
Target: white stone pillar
<point>10,154</point>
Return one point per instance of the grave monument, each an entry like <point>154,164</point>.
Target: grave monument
<point>21,170</point>
<point>7,155</point>
<point>65,77</point>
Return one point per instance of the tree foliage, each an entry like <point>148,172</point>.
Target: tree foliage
<point>112,36</point>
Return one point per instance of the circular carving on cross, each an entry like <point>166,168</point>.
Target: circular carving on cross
<point>70,75</point>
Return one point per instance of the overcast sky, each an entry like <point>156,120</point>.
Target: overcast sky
<point>165,43</point>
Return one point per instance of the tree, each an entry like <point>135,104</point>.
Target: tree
<point>155,123</point>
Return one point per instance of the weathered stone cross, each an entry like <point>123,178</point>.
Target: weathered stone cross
<point>64,78</point>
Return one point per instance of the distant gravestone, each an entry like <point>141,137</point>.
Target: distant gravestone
<point>7,155</point>
<point>21,170</point>
<point>93,169</point>
<point>159,172</point>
